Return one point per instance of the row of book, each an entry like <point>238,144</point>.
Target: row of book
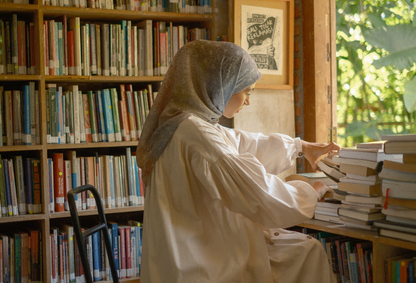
<point>351,259</point>
<point>21,256</point>
<point>126,243</point>
<point>401,268</point>
<point>20,116</point>
<point>113,49</point>
<point>179,6</point>
<point>20,186</point>
<point>17,52</point>
<point>107,115</point>
<point>380,186</point>
<point>116,177</point>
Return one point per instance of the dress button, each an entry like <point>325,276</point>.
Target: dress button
<point>300,154</point>
<point>309,237</point>
<point>276,234</point>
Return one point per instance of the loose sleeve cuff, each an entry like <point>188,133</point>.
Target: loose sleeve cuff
<point>298,144</point>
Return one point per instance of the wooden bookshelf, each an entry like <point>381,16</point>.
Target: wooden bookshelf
<point>38,13</point>
<point>383,247</point>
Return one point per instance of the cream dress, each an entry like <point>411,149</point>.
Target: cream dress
<point>213,196</point>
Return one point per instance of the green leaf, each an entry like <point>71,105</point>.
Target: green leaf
<point>409,95</point>
<point>376,20</point>
<point>399,41</point>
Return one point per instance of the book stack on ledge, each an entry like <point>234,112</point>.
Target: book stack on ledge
<point>399,189</point>
<point>362,204</point>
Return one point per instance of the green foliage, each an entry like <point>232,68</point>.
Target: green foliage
<point>376,54</point>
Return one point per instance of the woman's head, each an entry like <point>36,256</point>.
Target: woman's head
<point>205,74</point>
<point>203,77</point>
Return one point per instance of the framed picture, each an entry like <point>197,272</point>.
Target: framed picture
<point>265,29</point>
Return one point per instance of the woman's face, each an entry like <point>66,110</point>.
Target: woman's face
<point>237,101</point>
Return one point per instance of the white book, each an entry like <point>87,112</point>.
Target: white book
<point>399,189</point>
<point>146,25</point>
<point>387,173</point>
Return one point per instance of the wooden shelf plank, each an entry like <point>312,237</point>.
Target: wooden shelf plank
<point>92,145</point>
<point>117,15</point>
<point>19,77</point>
<point>20,148</point>
<point>67,214</point>
<point>20,218</point>
<point>103,79</point>
<point>340,229</point>
<point>18,8</point>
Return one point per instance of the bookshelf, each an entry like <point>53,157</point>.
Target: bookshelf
<point>383,247</point>
<point>37,13</point>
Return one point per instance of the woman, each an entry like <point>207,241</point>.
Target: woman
<point>211,192</point>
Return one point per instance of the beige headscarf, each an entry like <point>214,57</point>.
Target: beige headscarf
<point>200,81</point>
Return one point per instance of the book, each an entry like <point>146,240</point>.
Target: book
<point>373,144</point>
<point>397,235</point>
<point>398,189</point>
<point>397,175</point>
<point>327,218</point>
<point>58,179</point>
<point>400,212</point>
<point>369,154</point>
<point>116,115</point>
<point>395,226</point>
<point>368,190</point>
<point>353,161</point>
<point>357,170</point>
<point>147,26</point>
<point>363,199</point>
<point>404,167</point>
<point>399,137</point>
<point>311,178</point>
<point>360,215</point>
<point>19,183</point>
<point>371,180</point>
<point>330,171</point>
<point>409,203</point>
<point>361,208</point>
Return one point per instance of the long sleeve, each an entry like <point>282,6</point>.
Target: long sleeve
<point>276,152</point>
<point>242,185</point>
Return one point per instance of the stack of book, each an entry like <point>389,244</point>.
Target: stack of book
<point>399,189</point>
<point>362,205</point>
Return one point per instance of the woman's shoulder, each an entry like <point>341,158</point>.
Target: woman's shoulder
<point>200,134</point>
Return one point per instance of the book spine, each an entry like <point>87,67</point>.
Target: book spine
<point>13,189</point>
<point>17,117</point>
<point>7,188</point>
<point>3,196</point>
<point>131,115</point>
<point>116,116</point>
<point>27,130</point>
<point>108,115</point>
<point>51,186</point>
<point>32,109</point>
<point>87,118</point>
<point>28,185</point>
<point>8,106</point>
<point>37,197</point>
<point>93,116</point>
<point>100,110</point>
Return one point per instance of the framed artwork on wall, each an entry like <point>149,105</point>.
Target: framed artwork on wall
<point>265,29</point>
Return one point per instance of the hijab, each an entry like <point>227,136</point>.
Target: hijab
<point>202,78</point>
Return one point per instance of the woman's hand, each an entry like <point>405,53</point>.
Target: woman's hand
<point>321,189</point>
<point>313,151</point>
